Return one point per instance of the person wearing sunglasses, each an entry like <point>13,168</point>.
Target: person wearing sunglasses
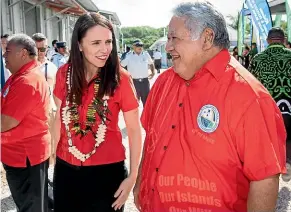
<point>49,70</point>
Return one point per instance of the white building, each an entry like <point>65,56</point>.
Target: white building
<point>54,18</point>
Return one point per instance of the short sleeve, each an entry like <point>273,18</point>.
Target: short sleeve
<point>261,140</point>
<point>60,84</point>
<point>20,100</point>
<point>150,61</point>
<point>128,99</point>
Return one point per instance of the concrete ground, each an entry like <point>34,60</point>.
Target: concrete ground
<point>7,204</point>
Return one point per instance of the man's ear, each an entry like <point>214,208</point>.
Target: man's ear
<point>208,38</point>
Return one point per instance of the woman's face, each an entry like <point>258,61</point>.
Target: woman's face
<point>96,46</point>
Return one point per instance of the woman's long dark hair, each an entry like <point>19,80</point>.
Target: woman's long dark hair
<point>110,75</point>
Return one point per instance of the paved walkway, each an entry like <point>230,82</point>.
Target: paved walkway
<point>7,204</point>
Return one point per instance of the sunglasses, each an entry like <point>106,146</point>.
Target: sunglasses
<point>139,45</point>
<point>42,49</point>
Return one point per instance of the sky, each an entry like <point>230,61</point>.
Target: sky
<point>156,13</point>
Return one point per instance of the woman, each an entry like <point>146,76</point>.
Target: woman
<point>91,89</point>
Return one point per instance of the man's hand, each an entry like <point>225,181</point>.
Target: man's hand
<point>8,123</point>
<point>151,76</point>
<point>263,195</point>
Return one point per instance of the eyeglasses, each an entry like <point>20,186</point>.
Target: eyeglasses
<point>42,49</point>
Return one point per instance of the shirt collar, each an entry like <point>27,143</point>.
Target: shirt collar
<point>216,66</point>
<point>274,45</point>
<point>27,67</point>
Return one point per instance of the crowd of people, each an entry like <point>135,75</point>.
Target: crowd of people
<point>215,131</point>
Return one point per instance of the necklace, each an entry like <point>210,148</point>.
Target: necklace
<point>70,115</point>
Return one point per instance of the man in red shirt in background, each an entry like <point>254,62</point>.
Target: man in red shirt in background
<point>24,126</point>
<point>215,139</point>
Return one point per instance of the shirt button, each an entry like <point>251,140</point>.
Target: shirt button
<point>157,169</point>
<point>165,147</point>
<point>153,189</point>
<point>181,104</point>
<point>187,84</point>
<point>173,126</point>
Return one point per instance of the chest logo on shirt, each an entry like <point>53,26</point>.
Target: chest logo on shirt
<point>6,91</point>
<point>208,118</point>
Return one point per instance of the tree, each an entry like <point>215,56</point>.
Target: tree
<point>147,34</point>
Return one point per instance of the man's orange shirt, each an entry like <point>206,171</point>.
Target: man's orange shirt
<point>25,98</point>
<point>208,138</point>
<point>111,150</point>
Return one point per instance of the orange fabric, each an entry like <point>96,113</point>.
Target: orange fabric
<point>208,138</point>
<point>25,98</point>
<point>111,150</point>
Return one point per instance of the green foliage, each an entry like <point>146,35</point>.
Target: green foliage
<point>147,34</point>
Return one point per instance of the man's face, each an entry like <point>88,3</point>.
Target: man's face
<point>14,57</point>
<point>138,49</point>
<point>184,51</point>
<point>42,48</point>
<point>4,44</point>
<point>62,50</point>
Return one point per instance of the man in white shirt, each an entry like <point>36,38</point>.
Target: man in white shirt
<point>48,69</point>
<point>158,60</point>
<point>138,62</point>
<point>4,40</point>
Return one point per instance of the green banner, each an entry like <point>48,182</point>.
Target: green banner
<point>240,34</point>
<point>288,11</point>
<point>278,20</point>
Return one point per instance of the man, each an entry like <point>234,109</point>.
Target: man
<point>137,63</point>
<point>24,126</point>
<point>273,68</point>
<point>4,39</point>
<point>53,50</point>
<point>215,139</point>
<point>158,60</point>
<point>48,69</point>
<point>61,57</point>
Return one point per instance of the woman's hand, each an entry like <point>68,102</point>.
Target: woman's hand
<point>123,192</point>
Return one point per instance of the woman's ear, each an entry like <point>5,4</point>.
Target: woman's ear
<point>80,47</point>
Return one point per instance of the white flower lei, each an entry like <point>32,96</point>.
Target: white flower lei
<point>66,118</point>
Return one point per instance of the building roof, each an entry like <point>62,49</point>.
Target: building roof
<point>112,16</point>
<point>77,7</point>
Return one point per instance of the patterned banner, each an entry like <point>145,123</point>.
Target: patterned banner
<point>278,20</point>
<point>262,20</point>
<point>240,33</point>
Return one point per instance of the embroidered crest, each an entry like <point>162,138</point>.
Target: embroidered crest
<point>6,91</point>
<point>208,118</point>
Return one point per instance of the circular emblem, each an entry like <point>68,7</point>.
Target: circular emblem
<point>208,118</point>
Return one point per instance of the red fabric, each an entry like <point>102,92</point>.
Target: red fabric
<point>188,169</point>
<point>25,98</point>
<point>111,150</point>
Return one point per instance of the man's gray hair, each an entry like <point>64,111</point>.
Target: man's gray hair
<point>25,42</point>
<point>38,37</point>
<point>202,15</point>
